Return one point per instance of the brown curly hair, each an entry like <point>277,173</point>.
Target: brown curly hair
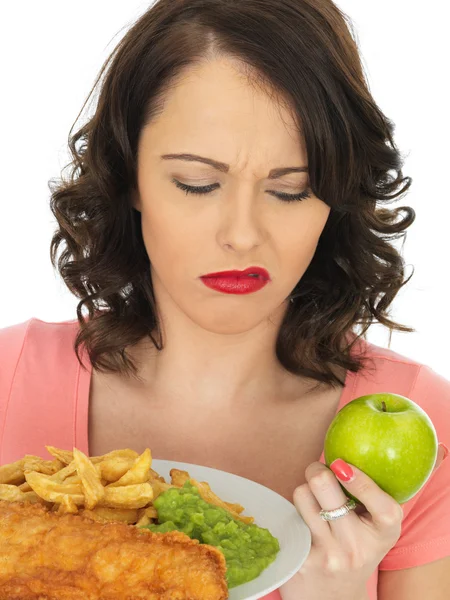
<point>304,52</point>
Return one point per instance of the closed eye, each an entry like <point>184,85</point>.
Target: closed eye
<point>206,189</point>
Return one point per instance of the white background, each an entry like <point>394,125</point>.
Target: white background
<point>51,52</point>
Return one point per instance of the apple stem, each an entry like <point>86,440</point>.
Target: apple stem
<point>383,405</point>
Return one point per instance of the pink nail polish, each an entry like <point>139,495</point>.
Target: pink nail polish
<point>446,450</point>
<point>342,470</point>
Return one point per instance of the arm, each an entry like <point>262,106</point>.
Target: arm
<point>430,581</point>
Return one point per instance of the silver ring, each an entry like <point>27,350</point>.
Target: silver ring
<point>337,513</point>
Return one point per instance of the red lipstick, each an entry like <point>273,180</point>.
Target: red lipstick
<point>237,282</point>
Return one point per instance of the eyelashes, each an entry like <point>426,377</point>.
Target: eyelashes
<point>206,189</point>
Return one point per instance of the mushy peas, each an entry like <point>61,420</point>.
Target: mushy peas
<point>248,549</point>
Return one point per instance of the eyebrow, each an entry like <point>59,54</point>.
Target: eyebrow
<point>220,166</point>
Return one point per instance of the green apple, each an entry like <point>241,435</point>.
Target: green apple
<point>390,438</point>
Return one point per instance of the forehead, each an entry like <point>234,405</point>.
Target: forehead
<point>214,107</point>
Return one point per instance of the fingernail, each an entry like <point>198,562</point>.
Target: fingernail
<point>342,470</point>
<point>446,451</point>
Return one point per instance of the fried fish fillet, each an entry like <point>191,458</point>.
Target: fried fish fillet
<point>48,556</point>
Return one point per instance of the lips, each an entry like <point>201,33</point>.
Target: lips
<point>237,282</point>
<point>255,272</point>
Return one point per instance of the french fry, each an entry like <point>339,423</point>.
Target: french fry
<point>154,475</point>
<point>124,453</point>
<point>75,478</point>
<point>69,474</point>
<point>159,487</point>
<point>143,521</point>
<point>138,473</point>
<point>212,498</point>
<point>146,516</point>
<point>65,473</point>
<point>236,507</point>
<point>114,468</point>
<point>36,463</point>
<point>39,480</point>
<point>11,493</point>
<point>33,498</point>
<point>108,514</point>
<point>65,456</point>
<point>67,506</point>
<point>13,473</point>
<point>52,491</point>
<point>25,487</point>
<point>180,477</point>
<point>127,496</point>
<point>90,479</point>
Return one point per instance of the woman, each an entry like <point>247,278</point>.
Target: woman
<point>237,136</point>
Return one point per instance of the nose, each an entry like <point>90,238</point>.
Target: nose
<point>240,227</point>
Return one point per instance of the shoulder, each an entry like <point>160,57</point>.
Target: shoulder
<point>34,345</point>
<point>381,355</point>
<point>392,372</point>
<point>36,356</point>
<point>36,327</point>
<point>35,331</point>
<point>39,379</point>
<point>403,369</point>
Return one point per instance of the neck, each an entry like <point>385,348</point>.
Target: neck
<point>207,366</point>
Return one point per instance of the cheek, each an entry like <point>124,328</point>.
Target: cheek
<point>299,254</point>
<point>301,239</point>
<point>167,240</point>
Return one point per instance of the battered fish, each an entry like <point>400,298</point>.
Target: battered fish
<point>46,556</point>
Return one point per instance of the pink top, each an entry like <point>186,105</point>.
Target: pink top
<point>44,399</point>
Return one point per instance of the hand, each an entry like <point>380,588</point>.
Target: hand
<point>345,552</point>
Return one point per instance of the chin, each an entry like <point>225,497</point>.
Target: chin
<point>232,322</point>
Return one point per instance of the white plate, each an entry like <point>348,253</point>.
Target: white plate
<point>270,510</point>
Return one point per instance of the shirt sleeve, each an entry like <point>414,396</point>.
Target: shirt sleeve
<point>425,535</point>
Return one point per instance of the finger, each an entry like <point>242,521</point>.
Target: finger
<point>308,508</point>
<point>441,455</point>
<point>385,512</point>
<point>329,495</point>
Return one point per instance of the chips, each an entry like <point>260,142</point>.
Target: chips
<point>67,505</point>
<point>179,478</point>
<point>105,513</point>
<point>53,491</point>
<point>93,489</point>
<point>13,494</point>
<point>138,473</point>
<point>13,473</point>
<point>146,516</point>
<point>36,463</point>
<point>119,486</point>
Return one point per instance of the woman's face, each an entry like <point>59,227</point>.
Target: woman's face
<point>214,113</point>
